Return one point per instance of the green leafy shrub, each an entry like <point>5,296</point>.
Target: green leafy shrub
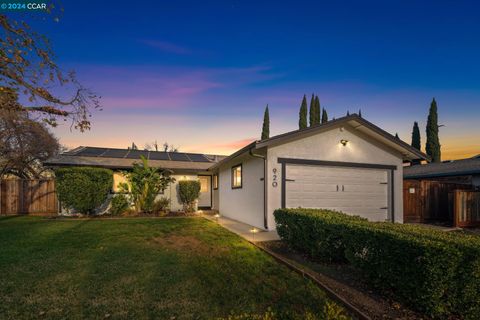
<point>83,189</point>
<point>434,271</point>
<point>119,205</point>
<point>144,184</point>
<point>161,205</point>
<point>188,191</point>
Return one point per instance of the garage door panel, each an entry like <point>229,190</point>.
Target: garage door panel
<point>356,191</point>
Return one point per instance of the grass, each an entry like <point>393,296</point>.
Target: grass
<point>187,268</point>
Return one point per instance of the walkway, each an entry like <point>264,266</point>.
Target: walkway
<point>242,229</point>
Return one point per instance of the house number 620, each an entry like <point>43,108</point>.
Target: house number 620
<point>274,180</point>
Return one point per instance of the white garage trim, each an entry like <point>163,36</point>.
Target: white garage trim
<point>389,168</point>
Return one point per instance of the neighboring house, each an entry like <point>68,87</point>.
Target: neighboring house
<point>463,171</point>
<point>347,164</point>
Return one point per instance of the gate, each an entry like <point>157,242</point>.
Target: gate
<point>34,197</point>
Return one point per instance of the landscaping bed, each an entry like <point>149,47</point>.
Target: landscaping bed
<point>138,268</point>
<point>434,272</point>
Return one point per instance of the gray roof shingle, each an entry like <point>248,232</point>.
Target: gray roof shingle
<point>444,169</point>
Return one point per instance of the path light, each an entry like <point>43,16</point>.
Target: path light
<point>344,142</point>
<point>253,231</point>
<point>216,217</point>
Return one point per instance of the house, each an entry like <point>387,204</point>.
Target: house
<point>463,171</point>
<point>347,164</point>
<point>429,188</point>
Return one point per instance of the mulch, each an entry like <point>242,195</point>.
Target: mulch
<point>345,282</point>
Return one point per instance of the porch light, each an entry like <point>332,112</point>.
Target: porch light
<point>344,142</point>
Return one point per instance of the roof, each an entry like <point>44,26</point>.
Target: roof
<point>443,169</point>
<point>124,159</point>
<point>358,123</point>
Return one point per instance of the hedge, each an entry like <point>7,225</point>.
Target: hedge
<point>83,189</point>
<point>433,271</point>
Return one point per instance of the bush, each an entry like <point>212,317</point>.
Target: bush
<point>161,205</point>
<point>188,191</point>
<point>83,189</point>
<point>119,205</point>
<point>434,271</point>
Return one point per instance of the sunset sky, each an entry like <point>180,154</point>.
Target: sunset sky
<point>198,74</point>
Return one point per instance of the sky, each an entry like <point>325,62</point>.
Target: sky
<point>199,74</point>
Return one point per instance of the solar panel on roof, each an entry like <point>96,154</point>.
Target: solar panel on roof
<point>115,153</point>
<point>195,157</point>
<point>156,155</point>
<point>176,156</point>
<point>135,154</point>
<point>91,152</point>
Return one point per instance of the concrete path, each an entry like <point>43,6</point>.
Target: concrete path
<point>243,230</point>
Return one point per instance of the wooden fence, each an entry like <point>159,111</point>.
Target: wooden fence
<point>467,208</point>
<point>429,201</point>
<point>34,197</point>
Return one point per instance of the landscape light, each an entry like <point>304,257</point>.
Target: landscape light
<point>216,216</point>
<point>344,142</point>
<point>253,231</point>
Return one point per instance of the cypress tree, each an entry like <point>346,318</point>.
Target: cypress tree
<point>396,136</point>
<point>360,113</point>
<point>324,115</point>
<point>312,110</point>
<point>302,121</point>
<point>317,110</point>
<point>266,124</point>
<point>416,140</point>
<point>348,112</point>
<point>432,146</point>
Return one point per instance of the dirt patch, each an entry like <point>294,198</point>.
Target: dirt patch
<point>345,282</point>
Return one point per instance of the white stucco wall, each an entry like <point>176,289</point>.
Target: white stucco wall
<point>244,204</point>
<point>216,199</point>
<point>326,146</point>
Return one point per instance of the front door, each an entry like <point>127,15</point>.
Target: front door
<point>205,199</point>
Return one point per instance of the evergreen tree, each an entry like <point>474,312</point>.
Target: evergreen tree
<point>302,121</point>
<point>317,110</point>
<point>348,112</point>
<point>312,110</point>
<point>416,140</point>
<point>432,146</point>
<point>266,124</point>
<point>396,136</point>
<point>360,113</point>
<point>324,115</point>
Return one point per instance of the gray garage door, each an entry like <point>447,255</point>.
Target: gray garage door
<point>356,191</point>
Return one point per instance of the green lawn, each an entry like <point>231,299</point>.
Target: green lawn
<point>187,268</point>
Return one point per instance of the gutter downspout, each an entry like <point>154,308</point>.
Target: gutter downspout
<point>265,217</point>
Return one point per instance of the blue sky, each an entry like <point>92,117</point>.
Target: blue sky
<point>199,73</point>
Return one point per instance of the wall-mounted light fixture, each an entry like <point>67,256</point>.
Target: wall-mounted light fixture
<point>344,142</point>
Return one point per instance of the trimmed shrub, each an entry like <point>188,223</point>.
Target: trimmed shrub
<point>83,189</point>
<point>119,205</point>
<point>188,191</point>
<point>433,271</point>
<point>161,205</point>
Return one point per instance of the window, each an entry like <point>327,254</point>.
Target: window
<point>237,177</point>
<point>215,182</point>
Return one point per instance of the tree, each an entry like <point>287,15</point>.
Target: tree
<point>302,121</point>
<point>27,66</point>
<point>433,146</point>
<point>152,146</point>
<point>169,147</point>
<point>266,124</point>
<point>416,140</point>
<point>188,192</point>
<point>324,115</point>
<point>24,143</point>
<point>396,136</point>
<point>348,113</point>
<point>317,110</point>
<point>360,113</point>
<point>312,111</point>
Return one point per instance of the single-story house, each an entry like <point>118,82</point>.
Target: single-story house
<point>347,164</point>
<point>462,171</point>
